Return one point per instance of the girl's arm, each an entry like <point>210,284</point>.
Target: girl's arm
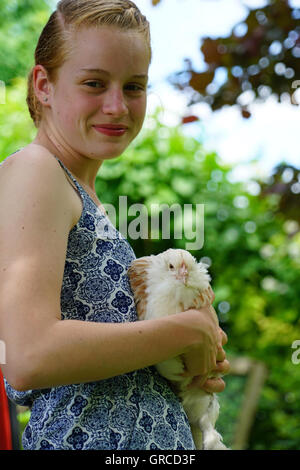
<point>42,350</point>
<point>72,351</point>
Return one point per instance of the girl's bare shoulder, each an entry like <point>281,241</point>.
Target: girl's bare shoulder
<point>35,169</point>
<point>32,153</point>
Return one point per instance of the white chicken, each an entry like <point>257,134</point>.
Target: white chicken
<point>168,283</point>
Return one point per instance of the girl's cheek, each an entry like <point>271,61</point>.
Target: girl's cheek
<point>138,107</point>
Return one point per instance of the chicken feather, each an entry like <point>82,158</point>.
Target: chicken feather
<point>168,283</point>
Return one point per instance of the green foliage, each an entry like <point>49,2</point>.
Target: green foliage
<point>255,258</point>
<point>230,404</point>
<point>23,419</point>
<point>16,126</point>
<point>20,26</point>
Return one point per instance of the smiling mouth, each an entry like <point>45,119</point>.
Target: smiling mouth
<point>113,130</point>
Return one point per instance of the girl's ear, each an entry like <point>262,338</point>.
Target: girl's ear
<point>41,84</point>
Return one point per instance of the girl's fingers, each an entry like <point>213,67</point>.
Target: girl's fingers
<point>222,367</point>
<point>224,337</point>
<point>197,382</point>
<point>216,385</point>
<point>213,385</point>
<point>221,355</point>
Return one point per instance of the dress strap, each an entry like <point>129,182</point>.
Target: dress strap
<point>69,174</point>
<point>84,194</point>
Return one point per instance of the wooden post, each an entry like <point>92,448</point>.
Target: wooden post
<point>257,375</point>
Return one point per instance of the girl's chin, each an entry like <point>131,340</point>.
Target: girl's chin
<point>109,150</point>
<point>105,154</point>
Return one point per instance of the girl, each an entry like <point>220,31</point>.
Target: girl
<point>76,353</point>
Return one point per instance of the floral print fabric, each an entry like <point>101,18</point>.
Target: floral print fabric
<point>137,410</point>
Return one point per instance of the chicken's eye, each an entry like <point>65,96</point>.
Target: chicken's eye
<point>171,266</point>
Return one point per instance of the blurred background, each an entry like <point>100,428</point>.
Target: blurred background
<point>222,129</point>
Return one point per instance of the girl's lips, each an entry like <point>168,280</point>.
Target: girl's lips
<point>111,130</point>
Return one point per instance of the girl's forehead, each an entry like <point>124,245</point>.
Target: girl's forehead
<point>105,37</point>
<point>93,47</point>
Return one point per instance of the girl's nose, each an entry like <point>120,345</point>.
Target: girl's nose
<point>114,103</point>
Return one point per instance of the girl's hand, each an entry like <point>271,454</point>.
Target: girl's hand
<point>201,358</point>
<point>214,385</point>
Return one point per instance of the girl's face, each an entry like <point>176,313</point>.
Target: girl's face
<point>102,84</point>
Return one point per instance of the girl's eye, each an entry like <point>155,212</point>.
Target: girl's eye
<point>94,84</point>
<point>131,87</point>
<point>134,87</point>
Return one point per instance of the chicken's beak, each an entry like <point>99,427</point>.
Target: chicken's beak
<point>182,273</point>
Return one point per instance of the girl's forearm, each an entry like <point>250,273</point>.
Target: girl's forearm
<point>78,351</point>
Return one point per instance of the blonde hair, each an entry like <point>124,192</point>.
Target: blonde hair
<point>71,15</point>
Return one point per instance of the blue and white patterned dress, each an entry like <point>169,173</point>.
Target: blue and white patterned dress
<point>137,410</point>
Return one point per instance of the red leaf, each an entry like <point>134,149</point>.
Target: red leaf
<point>199,81</point>
<point>187,119</point>
<point>246,114</point>
<point>211,52</point>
